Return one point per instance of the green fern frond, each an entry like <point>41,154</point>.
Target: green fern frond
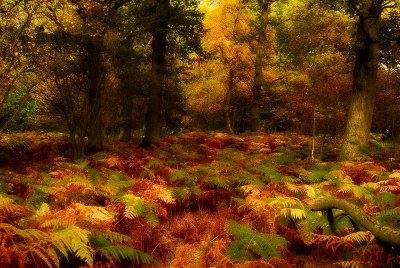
<point>114,237</point>
<point>314,221</point>
<point>389,216</point>
<point>343,224</point>
<point>270,173</point>
<point>294,213</point>
<point>183,193</point>
<point>134,206</point>
<point>73,240</point>
<point>154,163</point>
<point>121,253</point>
<point>115,184</point>
<point>386,199</point>
<point>358,191</point>
<point>283,158</point>
<point>318,176</point>
<point>249,242</point>
<point>218,182</point>
<point>43,210</point>
<point>246,177</point>
<point>284,202</point>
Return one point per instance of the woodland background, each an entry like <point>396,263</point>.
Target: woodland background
<point>186,133</point>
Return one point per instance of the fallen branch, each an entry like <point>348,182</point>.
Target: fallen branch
<point>383,233</point>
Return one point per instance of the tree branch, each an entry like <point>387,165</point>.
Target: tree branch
<point>383,233</point>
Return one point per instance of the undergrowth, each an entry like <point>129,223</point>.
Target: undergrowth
<point>198,200</point>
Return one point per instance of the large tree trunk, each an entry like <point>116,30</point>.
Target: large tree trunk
<point>94,73</point>
<point>364,83</point>
<point>158,74</point>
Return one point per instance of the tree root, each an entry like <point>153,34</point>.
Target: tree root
<point>382,233</point>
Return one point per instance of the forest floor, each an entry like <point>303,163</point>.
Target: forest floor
<point>196,200</point>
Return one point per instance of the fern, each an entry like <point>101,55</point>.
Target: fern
<point>342,224</point>
<point>218,182</point>
<point>389,216</point>
<point>134,206</point>
<point>30,241</point>
<point>318,176</point>
<point>359,237</point>
<point>121,253</point>
<point>270,174</point>
<point>163,194</point>
<point>94,213</point>
<point>73,240</point>
<point>386,199</point>
<point>113,237</point>
<point>249,242</point>
<point>351,264</point>
<point>314,221</point>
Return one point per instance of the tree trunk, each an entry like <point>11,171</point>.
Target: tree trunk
<point>228,99</point>
<point>256,92</point>
<point>127,107</point>
<point>158,74</point>
<point>364,83</point>
<point>383,233</point>
<point>263,6</point>
<point>94,76</point>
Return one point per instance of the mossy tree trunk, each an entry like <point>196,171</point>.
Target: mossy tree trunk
<point>383,233</point>
<point>364,79</point>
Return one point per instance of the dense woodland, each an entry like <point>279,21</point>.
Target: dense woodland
<point>188,133</point>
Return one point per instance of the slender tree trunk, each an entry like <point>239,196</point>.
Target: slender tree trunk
<point>158,74</point>
<point>228,99</point>
<point>256,92</point>
<point>127,107</point>
<point>94,72</point>
<point>364,84</point>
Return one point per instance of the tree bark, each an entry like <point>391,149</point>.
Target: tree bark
<point>383,233</point>
<point>158,74</point>
<point>94,75</point>
<point>263,6</point>
<point>364,82</point>
<point>127,106</point>
<point>228,99</point>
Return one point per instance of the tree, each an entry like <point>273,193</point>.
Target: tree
<point>17,55</point>
<point>312,41</point>
<point>367,54</point>
<point>78,66</point>
<point>262,42</point>
<point>228,25</point>
<point>159,32</point>
<point>175,27</point>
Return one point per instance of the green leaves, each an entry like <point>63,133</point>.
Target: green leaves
<point>248,244</point>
